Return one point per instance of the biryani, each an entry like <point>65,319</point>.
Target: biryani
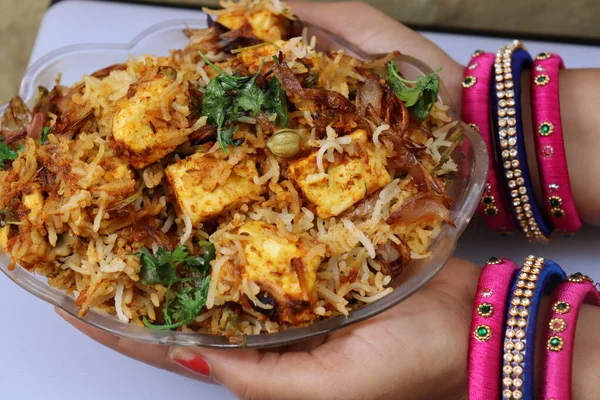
<point>245,184</point>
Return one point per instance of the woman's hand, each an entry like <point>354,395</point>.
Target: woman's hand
<point>375,32</point>
<point>416,350</point>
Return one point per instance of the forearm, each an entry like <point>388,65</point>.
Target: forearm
<point>586,368</point>
<point>586,364</point>
<point>579,96</point>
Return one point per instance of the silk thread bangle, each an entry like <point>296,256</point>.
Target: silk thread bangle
<point>535,277</point>
<point>476,113</point>
<point>489,310</point>
<point>557,360</point>
<point>549,141</point>
<point>510,143</point>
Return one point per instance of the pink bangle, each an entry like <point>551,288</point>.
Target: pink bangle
<point>487,327</point>
<point>551,157</point>
<point>476,112</point>
<point>557,360</point>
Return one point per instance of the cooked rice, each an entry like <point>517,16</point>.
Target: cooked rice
<point>97,210</point>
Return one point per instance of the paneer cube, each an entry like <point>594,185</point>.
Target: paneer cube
<point>26,243</point>
<point>4,238</point>
<point>281,269</point>
<point>253,58</point>
<point>266,25</point>
<point>138,131</point>
<point>29,233</point>
<point>348,179</point>
<point>205,185</point>
<point>34,201</point>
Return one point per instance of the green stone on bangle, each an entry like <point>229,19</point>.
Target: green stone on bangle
<point>483,333</point>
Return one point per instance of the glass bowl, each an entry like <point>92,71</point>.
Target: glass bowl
<point>73,62</point>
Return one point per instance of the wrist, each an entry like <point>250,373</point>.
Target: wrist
<point>586,370</point>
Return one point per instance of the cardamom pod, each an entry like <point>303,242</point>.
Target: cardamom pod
<point>285,143</point>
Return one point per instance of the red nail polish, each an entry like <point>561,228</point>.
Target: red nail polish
<point>193,362</point>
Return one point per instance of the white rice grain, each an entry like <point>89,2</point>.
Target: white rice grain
<point>187,232</point>
<point>378,132</point>
<point>362,238</point>
<point>119,303</point>
<point>370,299</point>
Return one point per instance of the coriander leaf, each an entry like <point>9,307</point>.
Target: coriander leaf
<point>250,98</point>
<point>225,137</point>
<point>420,111</point>
<point>311,80</point>
<point>186,306</point>
<point>190,301</point>
<point>230,80</point>
<point>6,153</point>
<point>409,95</point>
<point>209,250</point>
<point>430,86</point>
<point>180,254</point>
<point>149,271</point>
<point>276,101</point>
<point>215,105</point>
<point>159,267</point>
<point>186,278</point>
<point>215,102</point>
<point>420,96</point>
<point>197,262</point>
<point>227,98</point>
<point>44,136</point>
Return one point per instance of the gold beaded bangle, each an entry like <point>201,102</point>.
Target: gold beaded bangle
<point>535,276</point>
<point>514,341</point>
<point>508,141</point>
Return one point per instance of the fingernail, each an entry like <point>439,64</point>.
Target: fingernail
<point>191,361</point>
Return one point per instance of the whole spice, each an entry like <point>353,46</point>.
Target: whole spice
<point>285,143</point>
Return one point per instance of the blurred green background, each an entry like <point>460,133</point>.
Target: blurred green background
<point>19,20</point>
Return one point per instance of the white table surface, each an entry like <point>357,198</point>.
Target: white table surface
<point>44,358</point>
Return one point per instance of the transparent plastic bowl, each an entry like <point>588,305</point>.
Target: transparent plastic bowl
<point>75,61</point>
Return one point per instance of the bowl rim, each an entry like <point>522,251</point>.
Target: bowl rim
<point>108,323</point>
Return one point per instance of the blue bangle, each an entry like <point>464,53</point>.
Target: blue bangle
<point>510,143</point>
<point>536,277</point>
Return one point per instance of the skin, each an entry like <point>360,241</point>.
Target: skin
<point>418,349</point>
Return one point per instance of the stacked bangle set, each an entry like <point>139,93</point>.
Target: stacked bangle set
<point>503,338</point>
<point>509,298</point>
<point>492,105</point>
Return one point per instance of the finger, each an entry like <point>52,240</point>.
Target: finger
<point>252,374</point>
<point>155,355</point>
<point>363,26</point>
<point>459,275</point>
<point>374,32</point>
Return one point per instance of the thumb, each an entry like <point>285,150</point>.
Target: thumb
<point>252,374</point>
